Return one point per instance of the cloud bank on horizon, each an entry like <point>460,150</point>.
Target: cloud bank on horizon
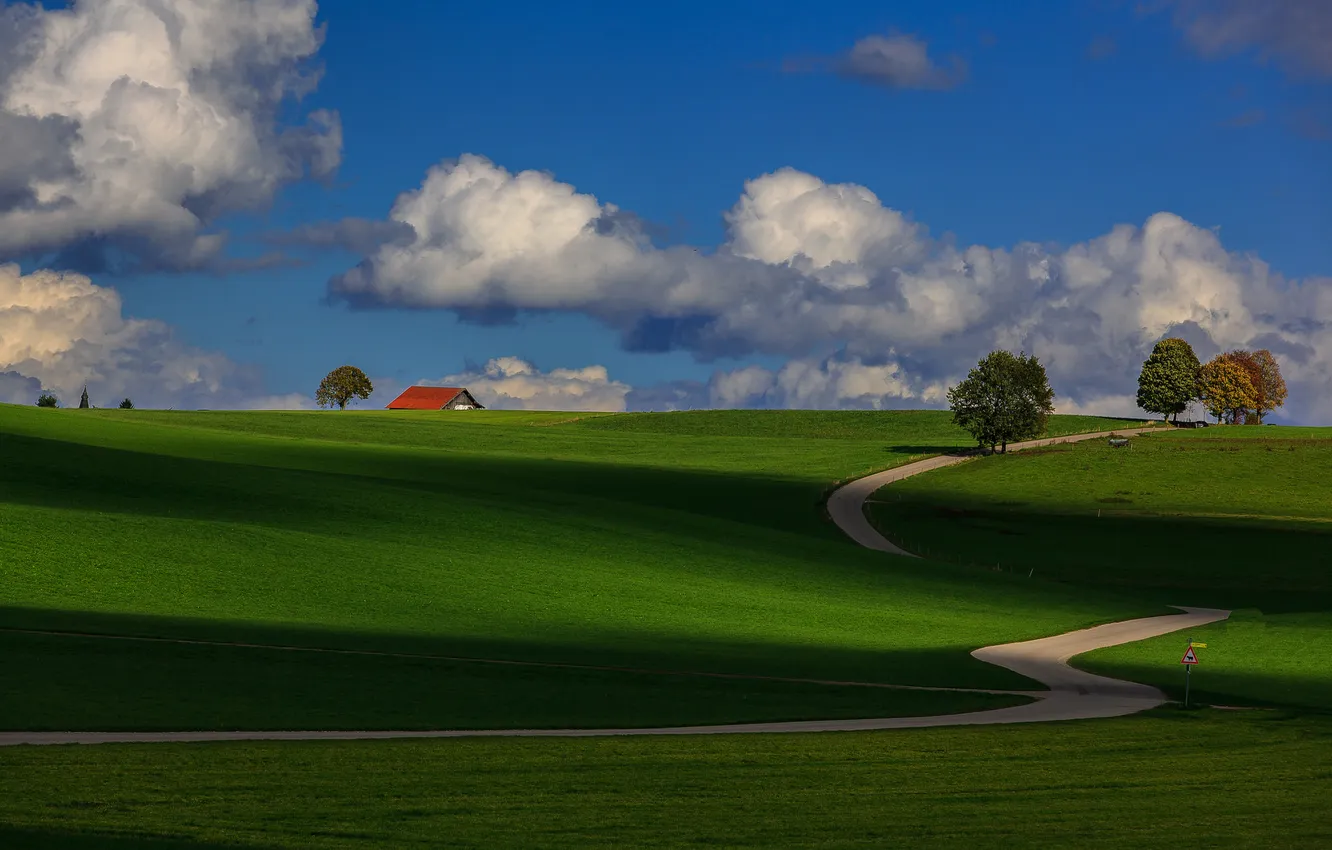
<point>62,331</point>
<point>871,311</point>
<point>132,126</point>
<point>511,383</point>
<point>829,276</point>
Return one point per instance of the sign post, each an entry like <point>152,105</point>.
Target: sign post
<point>1190,658</point>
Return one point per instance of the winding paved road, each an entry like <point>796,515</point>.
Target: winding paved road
<point>846,505</point>
<point>1073,694</point>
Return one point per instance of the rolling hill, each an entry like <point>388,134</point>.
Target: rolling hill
<point>215,570</point>
<point>689,543</point>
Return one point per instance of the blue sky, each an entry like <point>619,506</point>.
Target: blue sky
<point>1073,117</point>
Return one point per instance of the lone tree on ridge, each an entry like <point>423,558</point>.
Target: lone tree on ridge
<point>127,405</point>
<point>1169,379</point>
<point>1004,399</point>
<point>341,386</point>
<point>47,400</point>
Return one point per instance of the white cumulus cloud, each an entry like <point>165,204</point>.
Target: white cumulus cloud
<point>830,383</point>
<point>60,332</point>
<point>511,383</point>
<point>831,233</point>
<point>132,124</point>
<point>809,267</point>
<point>1109,405</point>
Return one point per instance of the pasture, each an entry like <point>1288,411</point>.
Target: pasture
<point>207,570</point>
<point>1233,517</point>
<point>1210,779</point>
<point>687,543</point>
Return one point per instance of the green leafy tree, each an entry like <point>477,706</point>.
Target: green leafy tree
<point>83,401</point>
<point>1004,399</point>
<point>1227,389</point>
<point>47,400</point>
<point>127,405</point>
<point>1168,382</point>
<point>341,386</point>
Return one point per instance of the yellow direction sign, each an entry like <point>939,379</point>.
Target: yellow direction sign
<point>1197,645</point>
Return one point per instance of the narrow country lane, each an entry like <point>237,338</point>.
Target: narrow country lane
<point>1073,694</point>
<point>846,505</point>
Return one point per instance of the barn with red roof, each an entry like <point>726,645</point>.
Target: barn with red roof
<point>435,398</point>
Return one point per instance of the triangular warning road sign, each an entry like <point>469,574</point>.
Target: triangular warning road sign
<point>1189,657</point>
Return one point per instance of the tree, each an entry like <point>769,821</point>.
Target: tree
<point>1269,389</point>
<point>83,402</point>
<point>1169,379</point>
<point>341,386</point>
<point>1004,399</point>
<point>1271,386</point>
<point>127,405</point>
<point>47,400</point>
<point>1227,390</point>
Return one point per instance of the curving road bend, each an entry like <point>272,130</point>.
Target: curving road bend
<point>1073,694</point>
<point>846,505</point>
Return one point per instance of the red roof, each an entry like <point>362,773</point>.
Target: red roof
<point>424,398</point>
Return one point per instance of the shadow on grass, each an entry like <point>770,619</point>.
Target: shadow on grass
<point>1277,567</point>
<point>1310,692</point>
<point>58,839</point>
<point>930,450</point>
<point>511,507</point>
<point>292,485</point>
<point>289,484</point>
<point>939,666</point>
<point>65,682</point>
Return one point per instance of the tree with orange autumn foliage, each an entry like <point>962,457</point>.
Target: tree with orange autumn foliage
<point>1269,389</point>
<point>1227,389</point>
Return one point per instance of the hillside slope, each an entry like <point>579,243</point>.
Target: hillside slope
<point>1233,517</point>
<point>681,542</point>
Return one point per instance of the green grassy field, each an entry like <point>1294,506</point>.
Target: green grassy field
<point>59,683</point>
<point>1197,779</point>
<point>676,542</point>
<point>1238,518</point>
<point>432,552</point>
<point>1254,658</point>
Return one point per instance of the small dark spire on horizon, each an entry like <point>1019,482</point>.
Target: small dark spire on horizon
<point>83,402</point>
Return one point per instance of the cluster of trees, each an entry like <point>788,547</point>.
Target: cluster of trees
<point>1237,387</point>
<point>1007,398</point>
<point>47,399</point>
